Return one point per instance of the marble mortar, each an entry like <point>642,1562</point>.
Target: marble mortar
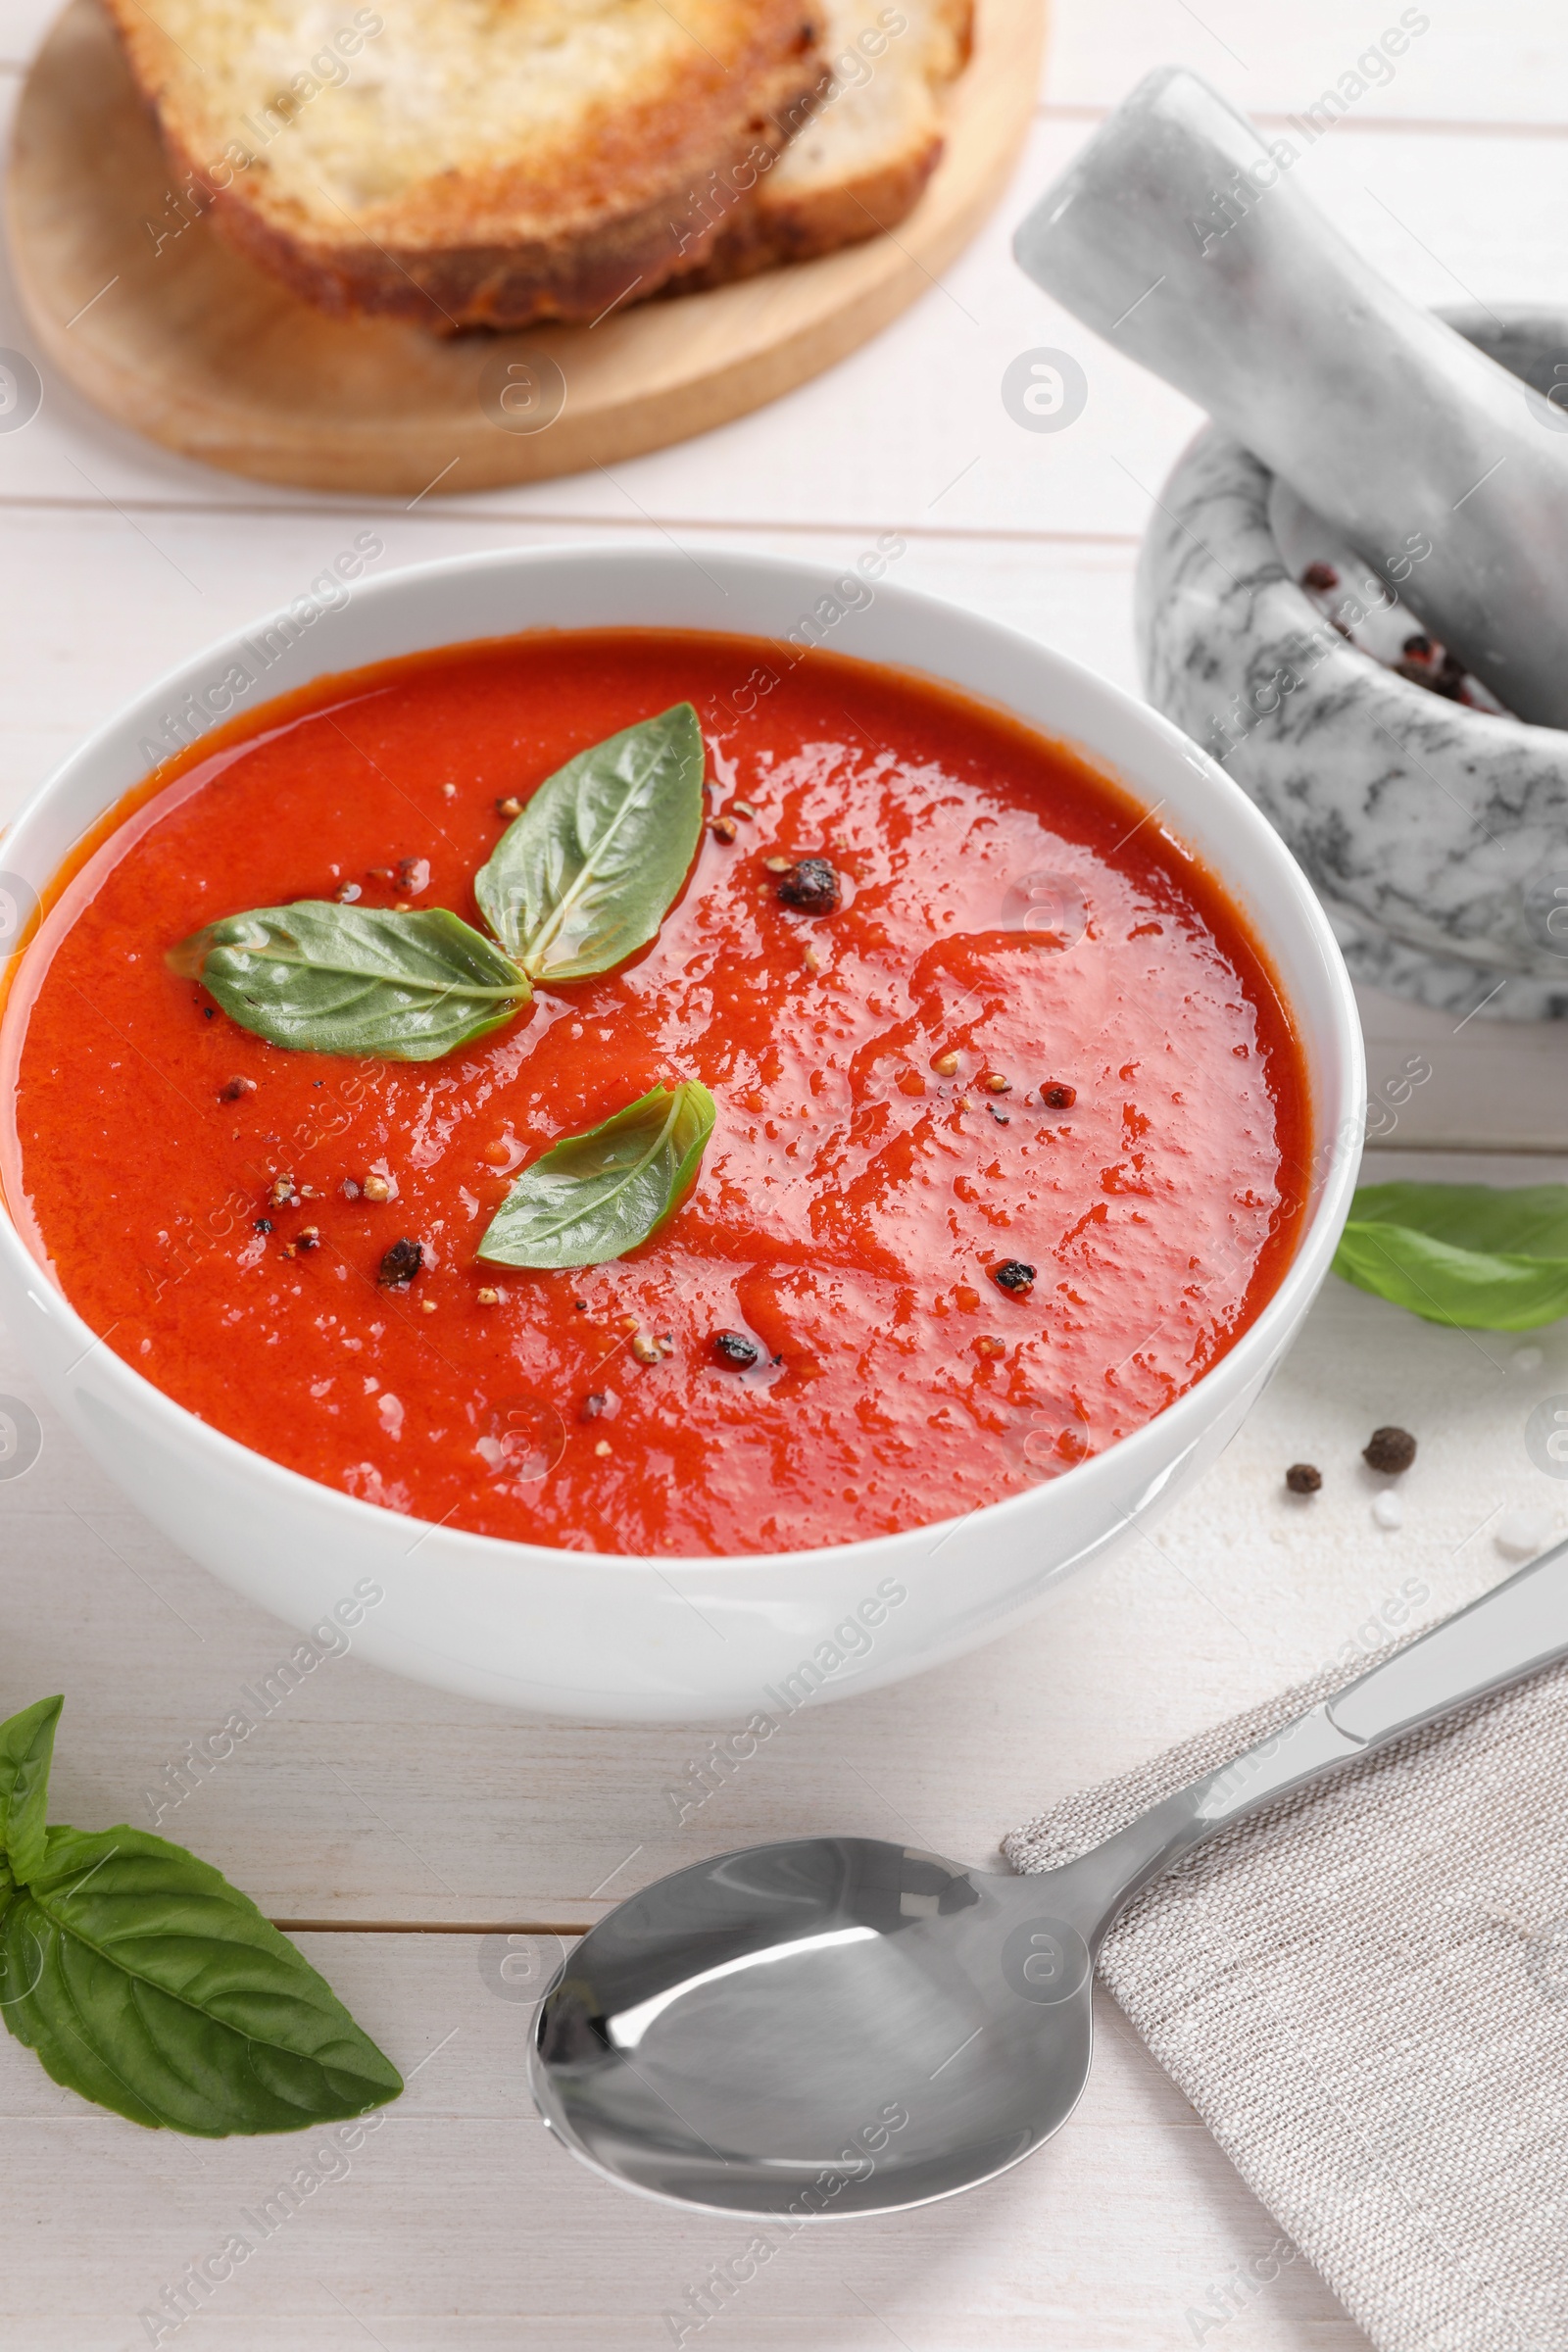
<point>1436,835</point>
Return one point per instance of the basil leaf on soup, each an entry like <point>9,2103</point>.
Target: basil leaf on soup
<point>147,1983</point>
<point>331,979</point>
<point>1475,1255</point>
<point>587,873</point>
<point>593,1197</point>
<point>26,1749</point>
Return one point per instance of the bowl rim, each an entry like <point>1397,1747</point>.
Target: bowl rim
<point>1336,1129</point>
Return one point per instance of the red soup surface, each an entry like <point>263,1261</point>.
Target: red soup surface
<point>1034,1030</point>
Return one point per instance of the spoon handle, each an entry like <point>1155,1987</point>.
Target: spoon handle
<point>1520,1625</point>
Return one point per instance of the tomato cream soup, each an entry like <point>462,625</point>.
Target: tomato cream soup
<point>1010,1121</point>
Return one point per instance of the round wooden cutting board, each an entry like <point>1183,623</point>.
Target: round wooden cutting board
<point>164,327</point>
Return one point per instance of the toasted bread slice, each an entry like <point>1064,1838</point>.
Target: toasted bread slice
<point>861,160</point>
<point>468,162</point>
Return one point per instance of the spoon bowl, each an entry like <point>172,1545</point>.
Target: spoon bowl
<point>831,2026</point>
<point>839,2025</point>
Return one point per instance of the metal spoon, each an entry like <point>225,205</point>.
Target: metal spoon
<point>837,2026</point>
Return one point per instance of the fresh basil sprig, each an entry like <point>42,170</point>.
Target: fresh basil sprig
<point>583,877</point>
<point>147,1983</point>
<point>331,979</point>
<point>1475,1255</point>
<point>593,1197</point>
<point>589,870</point>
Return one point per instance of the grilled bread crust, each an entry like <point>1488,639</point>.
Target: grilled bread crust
<point>470,163</point>
<point>860,162</point>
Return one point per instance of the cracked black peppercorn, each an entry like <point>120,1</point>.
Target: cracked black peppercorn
<point>1434,666</point>
<point>1013,1276</point>
<point>811,887</point>
<point>1304,1477</point>
<point>735,1349</point>
<point>1389,1451</point>
<point>401,1264</point>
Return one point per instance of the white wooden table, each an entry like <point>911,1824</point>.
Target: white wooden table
<point>407,1835</point>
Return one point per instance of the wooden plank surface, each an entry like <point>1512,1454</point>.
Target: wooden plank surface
<point>395,1817</point>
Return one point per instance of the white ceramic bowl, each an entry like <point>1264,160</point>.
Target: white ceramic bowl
<point>569,1633</point>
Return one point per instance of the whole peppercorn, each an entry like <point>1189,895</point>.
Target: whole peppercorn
<point>811,887</point>
<point>1389,1450</point>
<point>400,1264</point>
<point>1304,1477</point>
<point>735,1349</point>
<point>1013,1276</point>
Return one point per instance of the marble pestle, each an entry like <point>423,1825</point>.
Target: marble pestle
<point>1180,236</point>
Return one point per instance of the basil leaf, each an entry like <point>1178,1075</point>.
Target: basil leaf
<point>589,870</point>
<point>1474,1256</point>
<point>26,1749</point>
<point>331,979</point>
<point>593,1197</point>
<point>147,1983</point>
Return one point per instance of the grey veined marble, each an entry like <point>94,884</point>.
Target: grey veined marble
<point>1188,243</point>
<point>1437,836</point>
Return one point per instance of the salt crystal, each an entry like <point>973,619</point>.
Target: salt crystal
<point>1388,1510</point>
<point>1520,1535</point>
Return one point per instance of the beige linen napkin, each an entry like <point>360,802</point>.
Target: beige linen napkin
<point>1364,1990</point>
